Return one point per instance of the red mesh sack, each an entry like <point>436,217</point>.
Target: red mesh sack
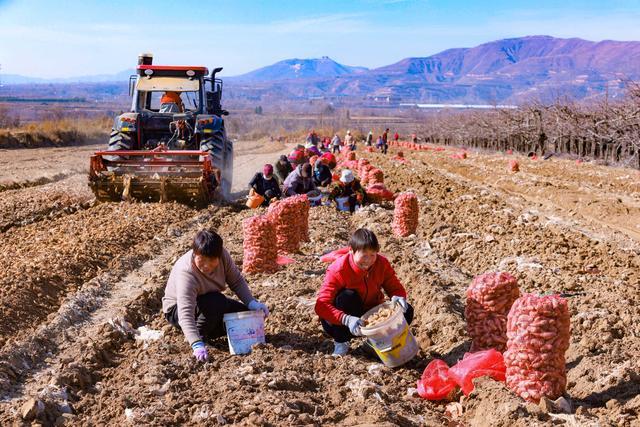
<point>285,215</point>
<point>514,166</point>
<point>259,253</point>
<point>435,383</point>
<point>375,176</point>
<point>488,363</point>
<point>303,205</point>
<point>377,193</point>
<point>489,298</point>
<point>405,215</point>
<point>538,329</point>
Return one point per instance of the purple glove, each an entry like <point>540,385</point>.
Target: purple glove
<point>200,351</point>
<point>257,305</point>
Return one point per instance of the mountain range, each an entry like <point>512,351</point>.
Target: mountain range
<point>504,71</point>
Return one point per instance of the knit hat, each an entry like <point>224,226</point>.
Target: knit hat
<point>267,169</point>
<point>347,176</point>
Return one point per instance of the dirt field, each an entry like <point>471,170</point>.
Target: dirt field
<point>77,279</point>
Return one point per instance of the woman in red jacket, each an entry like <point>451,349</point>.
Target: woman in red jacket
<point>353,285</point>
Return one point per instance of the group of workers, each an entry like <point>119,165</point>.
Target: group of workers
<point>353,284</point>
<point>309,168</point>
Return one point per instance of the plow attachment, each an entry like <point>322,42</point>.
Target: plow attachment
<point>187,177</point>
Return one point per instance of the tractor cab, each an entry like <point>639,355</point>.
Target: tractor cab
<point>173,132</point>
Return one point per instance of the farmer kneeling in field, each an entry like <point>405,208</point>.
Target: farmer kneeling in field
<point>348,186</point>
<point>353,285</point>
<point>193,299</point>
<point>300,181</point>
<point>266,185</point>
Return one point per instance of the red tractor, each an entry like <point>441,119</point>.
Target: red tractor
<point>172,145</point>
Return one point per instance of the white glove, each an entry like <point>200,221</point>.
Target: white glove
<point>402,302</point>
<point>353,323</point>
<point>257,305</point>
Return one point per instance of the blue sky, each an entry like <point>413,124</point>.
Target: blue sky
<point>71,38</point>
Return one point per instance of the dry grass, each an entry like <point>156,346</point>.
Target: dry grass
<point>59,132</point>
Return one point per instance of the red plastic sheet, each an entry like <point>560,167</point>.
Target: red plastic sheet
<point>438,381</point>
<point>489,363</point>
<point>334,255</point>
<point>284,260</point>
<point>435,383</point>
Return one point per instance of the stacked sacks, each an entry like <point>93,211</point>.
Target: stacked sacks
<point>538,329</point>
<point>259,252</point>
<point>489,298</point>
<point>285,215</point>
<point>405,215</point>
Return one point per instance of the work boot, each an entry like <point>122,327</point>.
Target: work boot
<point>340,348</point>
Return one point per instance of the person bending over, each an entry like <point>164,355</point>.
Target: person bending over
<point>193,300</point>
<point>355,283</point>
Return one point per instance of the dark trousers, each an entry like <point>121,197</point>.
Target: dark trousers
<point>350,302</point>
<point>210,308</point>
<point>335,149</point>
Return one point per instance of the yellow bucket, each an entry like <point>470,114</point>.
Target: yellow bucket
<point>392,340</point>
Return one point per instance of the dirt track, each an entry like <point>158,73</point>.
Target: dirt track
<point>76,277</point>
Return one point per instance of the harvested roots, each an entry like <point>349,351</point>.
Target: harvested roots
<point>303,205</point>
<point>537,338</point>
<point>489,299</point>
<point>375,176</point>
<point>382,315</point>
<point>259,252</point>
<point>405,215</point>
<point>285,215</point>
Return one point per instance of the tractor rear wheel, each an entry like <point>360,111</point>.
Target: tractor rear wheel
<point>119,141</point>
<point>221,150</point>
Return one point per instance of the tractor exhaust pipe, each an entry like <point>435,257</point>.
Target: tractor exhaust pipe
<point>145,59</point>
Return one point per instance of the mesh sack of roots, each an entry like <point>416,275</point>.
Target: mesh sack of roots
<point>375,176</point>
<point>405,215</point>
<point>489,298</point>
<point>514,166</point>
<point>377,193</point>
<point>351,155</point>
<point>303,205</point>
<point>259,252</point>
<point>538,330</point>
<point>363,173</point>
<point>285,215</point>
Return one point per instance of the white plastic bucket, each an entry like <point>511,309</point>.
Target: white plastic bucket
<point>315,200</point>
<point>244,329</point>
<point>392,339</point>
<point>343,203</point>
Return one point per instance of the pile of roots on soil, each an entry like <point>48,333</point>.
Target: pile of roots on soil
<point>465,230</point>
